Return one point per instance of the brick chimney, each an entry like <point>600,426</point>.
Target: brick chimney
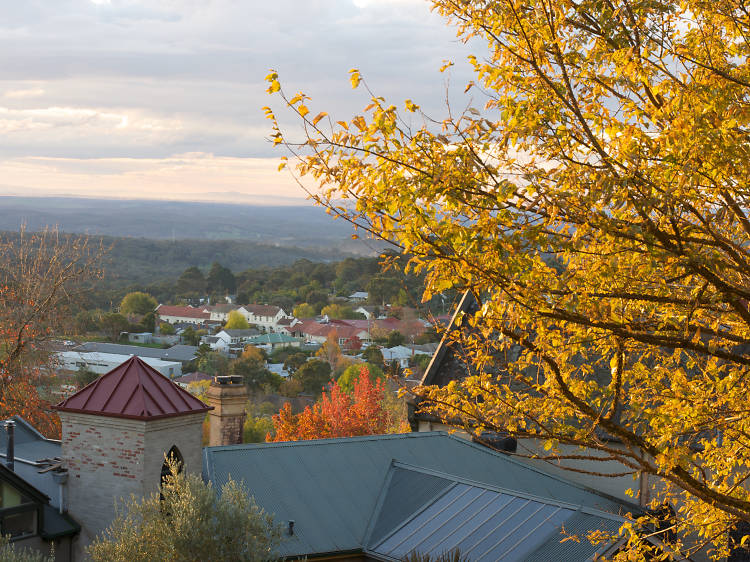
<point>228,396</point>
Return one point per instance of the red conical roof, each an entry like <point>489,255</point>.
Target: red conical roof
<point>133,390</point>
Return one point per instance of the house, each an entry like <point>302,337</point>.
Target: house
<point>368,311</point>
<point>358,296</point>
<point>264,316</point>
<point>285,325</point>
<point>401,353</point>
<point>220,312</point>
<point>232,341</point>
<point>141,337</point>
<point>379,497</point>
<point>101,363</point>
<point>184,314</point>
<point>273,341</point>
<point>27,515</point>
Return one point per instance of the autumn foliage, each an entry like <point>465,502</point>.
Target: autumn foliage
<point>339,414</point>
<point>39,275</point>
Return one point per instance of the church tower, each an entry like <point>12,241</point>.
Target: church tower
<point>115,434</point>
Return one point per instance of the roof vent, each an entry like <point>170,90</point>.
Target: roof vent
<point>10,455</point>
<point>291,527</point>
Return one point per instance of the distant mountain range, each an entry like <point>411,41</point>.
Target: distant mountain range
<point>287,226</point>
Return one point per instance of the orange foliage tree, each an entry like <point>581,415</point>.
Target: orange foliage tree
<point>39,274</point>
<point>339,414</point>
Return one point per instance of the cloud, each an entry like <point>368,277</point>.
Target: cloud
<point>190,176</point>
<point>28,93</point>
<point>92,81</point>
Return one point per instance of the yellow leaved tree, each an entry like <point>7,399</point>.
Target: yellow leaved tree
<point>593,197</point>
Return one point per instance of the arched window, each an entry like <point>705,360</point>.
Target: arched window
<point>173,455</point>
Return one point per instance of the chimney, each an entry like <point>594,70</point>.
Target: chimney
<point>228,395</point>
<point>10,454</point>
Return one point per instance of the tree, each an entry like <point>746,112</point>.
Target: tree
<point>166,329</point>
<point>220,280</point>
<point>191,282</point>
<point>596,208</point>
<point>394,338</point>
<point>41,275</point>
<point>339,312</point>
<point>113,324</point>
<point>330,351</point>
<point>294,361</point>
<point>85,376</point>
<point>254,374</point>
<point>190,336</point>
<point>138,302</point>
<point>236,321</point>
<point>213,363</point>
<point>189,521</point>
<point>354,371</point>
<point>303,310</point>
<point>313,375</point>
<point>339,414</point>
<point>373,355</point>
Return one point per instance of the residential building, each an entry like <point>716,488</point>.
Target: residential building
<point>182,314</point>
<point>264,316</point>
<point>179,352</point>
<point>101,363</point>
<point>232,341</point>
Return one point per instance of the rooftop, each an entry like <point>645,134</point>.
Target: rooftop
<point>133,390</point>
<point>182,312</point>
<point>331,487</point>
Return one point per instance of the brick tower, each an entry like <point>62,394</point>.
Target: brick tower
<point>227,396</point>
<point>115,434</point>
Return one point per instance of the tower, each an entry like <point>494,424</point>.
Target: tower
<point>115,434</point>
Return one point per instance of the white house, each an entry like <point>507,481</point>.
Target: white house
<point>228,341</point>
<point>263,315</point>
<point>219,312</point>
<point>402,354</point>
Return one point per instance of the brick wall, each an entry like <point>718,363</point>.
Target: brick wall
<point>111,458</point>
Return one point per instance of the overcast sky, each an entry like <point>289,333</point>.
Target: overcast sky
<point>128,98</point>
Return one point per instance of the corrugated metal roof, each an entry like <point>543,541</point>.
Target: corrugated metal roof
<point>330,487</point>
<point>578,526</point>
<point>133,390</point>
<point>485,524</point>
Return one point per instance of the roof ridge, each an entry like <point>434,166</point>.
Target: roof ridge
<point>502,490</point>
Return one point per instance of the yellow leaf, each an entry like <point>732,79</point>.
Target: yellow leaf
<point>355,77</point>
<point>274,87</point>
<point>318,117</point>
<point>303,110</point>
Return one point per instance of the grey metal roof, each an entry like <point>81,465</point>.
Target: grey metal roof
<point>485,524</point>
<point>31,446</point>
<point>330,487</point>
<point>179,352</point>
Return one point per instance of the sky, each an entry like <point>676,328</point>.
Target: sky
<point>144,99</point>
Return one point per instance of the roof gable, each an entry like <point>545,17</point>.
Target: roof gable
<point>431,512</point>
<point>133,390</point>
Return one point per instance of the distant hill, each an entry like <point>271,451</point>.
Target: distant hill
<point>296,226</point>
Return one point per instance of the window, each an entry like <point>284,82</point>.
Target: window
<point>18,512</point>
